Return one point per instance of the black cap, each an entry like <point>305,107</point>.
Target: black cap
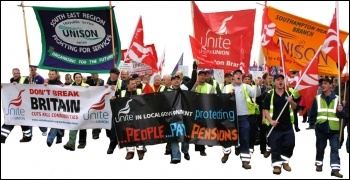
<point>228,75</point>
<point>327,79</point>
<point>202,72</point>
<point>115,71</point>
<point>33,66</point>
<point>236,71</point>
<point>175,76</point>
<point>277,76</point>
<point>134,76</point>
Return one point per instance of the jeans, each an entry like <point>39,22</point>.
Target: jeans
<point>321,144</point>
<point>53,133</point>
<point>175,149</point>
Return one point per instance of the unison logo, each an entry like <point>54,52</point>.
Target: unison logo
<point>80,32</point>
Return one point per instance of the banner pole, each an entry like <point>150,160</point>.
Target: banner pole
<point>192,15</point>
<point>26,35</point>
<point>112,32</point>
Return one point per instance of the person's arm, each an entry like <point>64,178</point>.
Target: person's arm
<point>313,113</point>
<point>193,79</point>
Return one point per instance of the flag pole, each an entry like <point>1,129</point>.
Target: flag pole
<point>338,44</point>
<point>27,42</point>
<point>307,68</point>
<point>194,34</point>
<point>112,32</point>
<point>282,59</point>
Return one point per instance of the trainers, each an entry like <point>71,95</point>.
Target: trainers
<point>267,154</point>
<point>141,154</point>
<point>286,167</point>
<point>69,147</point>
<point>319,168</point>
<point>337,174</point>
<point>202,153</point>
<point>187,156</point>
<point>3,140</point>
<point>44,133</point>
<point>25,139</point>
<point>297,129</point>
<point>175,161</point>
<point>129,155</point>
<point>237,151</point>
<point>246,165</point>
<point>81,146</point>
<point>225,158</point>
<point>276,170</point>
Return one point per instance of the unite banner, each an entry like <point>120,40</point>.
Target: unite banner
<point>78,39</point>
<point>175,116</point>
<point>301,38</point>
<point>226,36</point>
<point>54,106</point>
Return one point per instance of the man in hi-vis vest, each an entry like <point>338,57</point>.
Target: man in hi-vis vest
<point>245,114</point>
<point>132,90</point>
<point>282,137</point>
<point>6,129</point>
<point>325,114</point>
<point>202,87</point>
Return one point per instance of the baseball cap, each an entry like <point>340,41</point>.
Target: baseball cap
<point>326,78</point>
<point>277,76</point>
<point>202,72</point>
<point>236,71</point>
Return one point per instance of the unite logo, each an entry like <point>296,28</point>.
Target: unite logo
<point>16,111</point>
<point>223,29</point>
<point>123,114</point>
<point>98,114</point>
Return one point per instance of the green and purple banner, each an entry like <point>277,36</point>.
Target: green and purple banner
<point>78,39</point>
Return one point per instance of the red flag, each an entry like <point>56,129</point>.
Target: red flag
<point>242,65</point>
<point>148,88</point>
<point>219,32</point>
<point>309,83</point>
<point>330,44</point>
<point>162,64</point>
<point>205,60</point>
<point>137,51</point>
<point>267,31</point>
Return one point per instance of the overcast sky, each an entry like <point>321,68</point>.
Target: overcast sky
<point>166,24</point>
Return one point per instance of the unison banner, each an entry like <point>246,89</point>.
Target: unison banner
<point>68,107</point>
<point>77,39</point>
<point>175,116</point>
<point>301,39</point>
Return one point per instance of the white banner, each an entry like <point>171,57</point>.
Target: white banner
<point>68,107</point>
